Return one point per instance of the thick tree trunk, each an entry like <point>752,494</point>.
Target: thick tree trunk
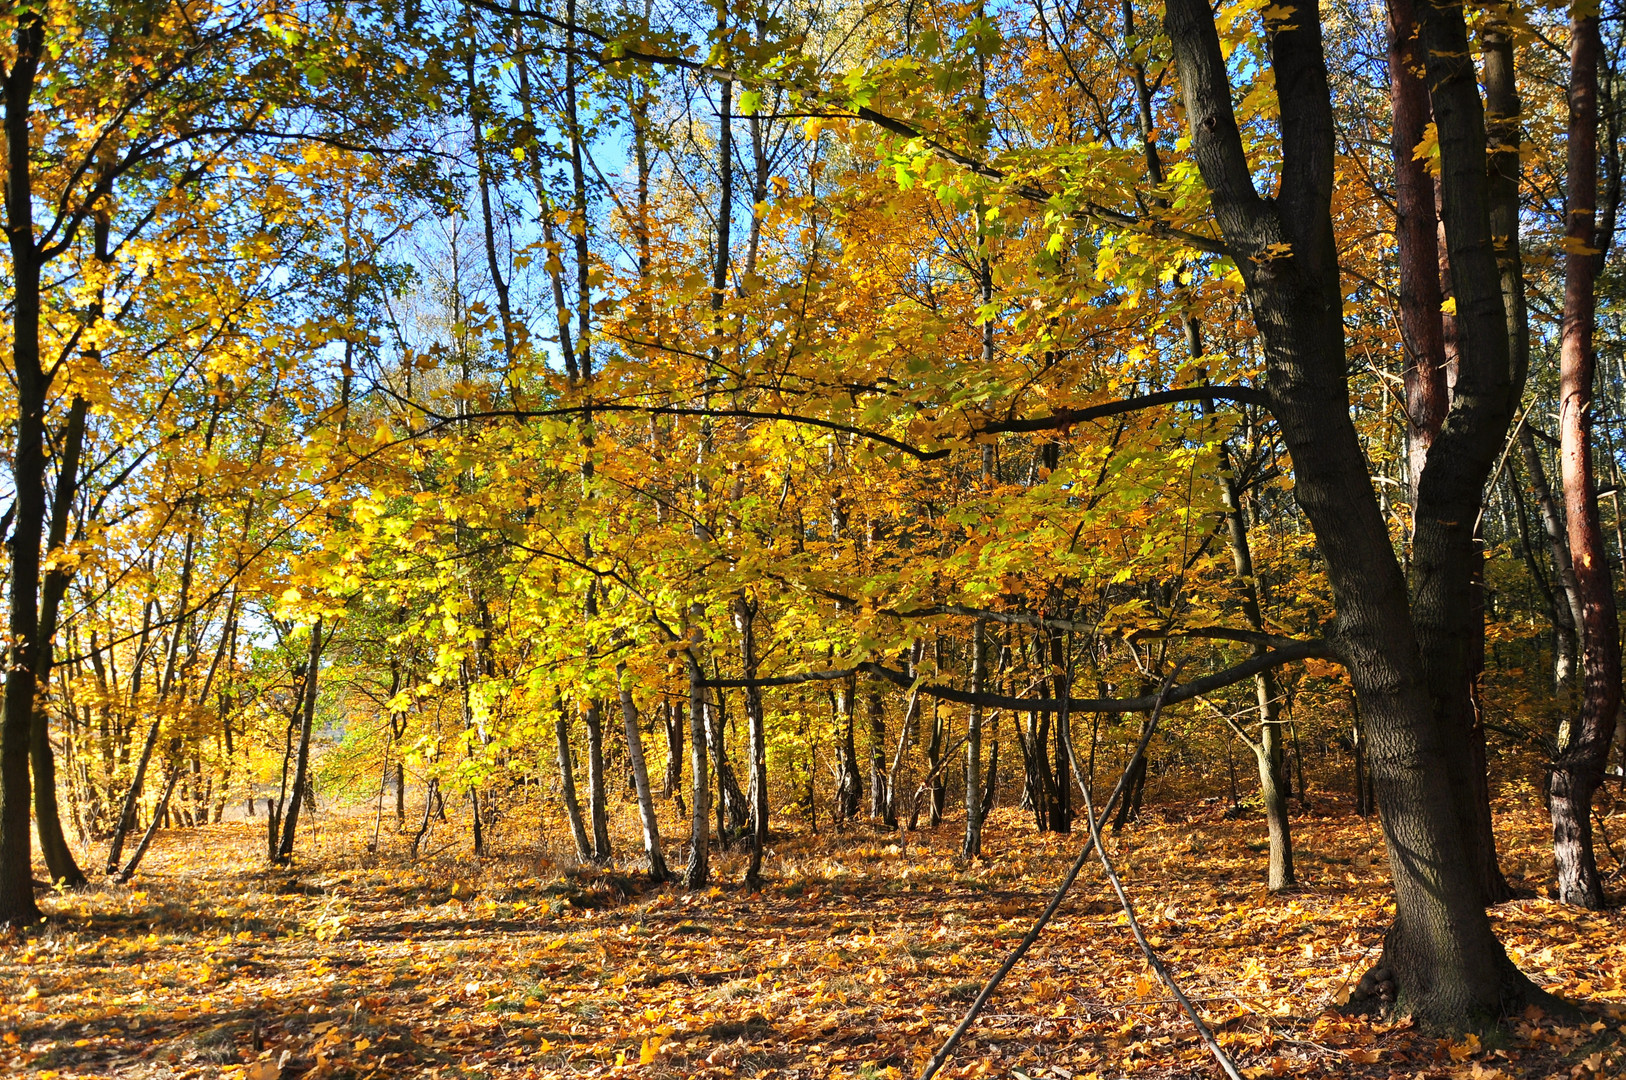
<point>17,906</point>
<point>1451,970</point>
<point>1584,747</point>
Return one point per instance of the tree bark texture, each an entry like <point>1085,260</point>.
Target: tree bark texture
<point>1578,767</point>
<point>1451,969</point>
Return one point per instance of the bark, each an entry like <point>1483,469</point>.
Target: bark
<point>307,718</point>
<point>972,847</point>
<point>482,168</point>
<point>1451,969</point>
<point>848,785</point>
<point>1565,603</point>
<point>880,798</point>
<point>17,906</point>
<point>672,782</point>
<point>127,813</point>
<point>934,761</point>
<point>1267,750</point>
<point>567,784</point>
<point>160,814</point>
<point>640,778</point>
<point>745,613</point>
<point>53,844</point>
<point>700,809</point>
<point>1578,767</point>
<point>593,718</point>
<point>1061,803</point>
<point>1417,240</point>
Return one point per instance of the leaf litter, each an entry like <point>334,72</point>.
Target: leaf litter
<point>854,961</point>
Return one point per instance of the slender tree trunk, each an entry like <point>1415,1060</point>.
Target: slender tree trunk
<point>745,613</point>
<point>160,814</point>
<point>1267,750</point>
<point>972,847</point>
<point>53,844</point>
<point>477,122</point>
<point>672,715</point>
<point>596,794</point>
<point>849,786</point>
<point>567,784</point>
<point>1566,596</point>
<point>307,719</point>
<point>127,813</point>
<point>640,780</point>
<point>1417,239</point>
<point>880,799</point>
<point>1584,747</point>
<point>1061,801</point>
<point>700,821</point>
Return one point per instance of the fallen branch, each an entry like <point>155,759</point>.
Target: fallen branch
<point>942,1055</point>
<point>1226,1065</point>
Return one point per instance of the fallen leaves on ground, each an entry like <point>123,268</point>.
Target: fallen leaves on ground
<point>855,961</point>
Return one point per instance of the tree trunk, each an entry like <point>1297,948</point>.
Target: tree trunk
<point>17,906</point>
<point>567,784</point>
<point>880,798</point>
<point>53,844</point>
<point>972,847</point>
<point>640,780</point>
<point>848,786</point>
<point>596,795</point>
<point>1451,970</point>
<point>127,813</point>
<point>1584,747</point>
<point>745,613</point>
<point>285,850</point>
<point>1565,603</point>
<point>160,813</point>
<point>700,820</point>
<point>1417,239</point>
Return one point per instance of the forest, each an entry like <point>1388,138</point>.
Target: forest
<point>813,539</point>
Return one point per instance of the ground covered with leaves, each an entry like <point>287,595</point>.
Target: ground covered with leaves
<point>855,960</point>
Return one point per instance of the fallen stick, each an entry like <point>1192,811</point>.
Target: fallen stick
<point>1225,1063</point>
<point>942,1055</point>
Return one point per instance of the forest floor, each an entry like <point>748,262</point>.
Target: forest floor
<point>854,961</point>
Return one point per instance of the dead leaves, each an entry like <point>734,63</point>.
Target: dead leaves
<point>856,959</point>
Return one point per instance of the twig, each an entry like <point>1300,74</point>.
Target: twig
<point>942,1055</point>
<point>1225,1063</point>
